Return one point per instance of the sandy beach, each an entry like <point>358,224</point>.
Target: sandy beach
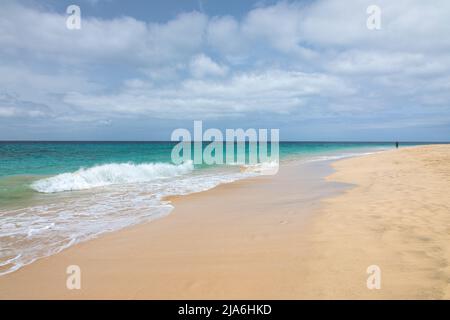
<point>296,235</point>
<point>396,217</point>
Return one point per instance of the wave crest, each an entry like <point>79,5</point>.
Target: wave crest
<point>109,174</point>
<point>263,168</point>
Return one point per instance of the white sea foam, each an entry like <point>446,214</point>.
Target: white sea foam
<point>132,195</point>
<point>110,174</point>
<point>263,168</point>
<point>338,156</point>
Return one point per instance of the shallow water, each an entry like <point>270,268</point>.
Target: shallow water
<point>53,195</point>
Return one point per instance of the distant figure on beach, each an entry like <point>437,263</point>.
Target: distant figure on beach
<point>396,144</point>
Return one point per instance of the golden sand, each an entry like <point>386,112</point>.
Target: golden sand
<point>260,238</point>
<point>396,217</point>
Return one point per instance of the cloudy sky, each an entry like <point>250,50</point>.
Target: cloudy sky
<point>139,69</point>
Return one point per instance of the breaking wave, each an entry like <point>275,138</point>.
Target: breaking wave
<point>110,174</point>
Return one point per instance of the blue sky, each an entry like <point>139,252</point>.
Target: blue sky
<point>139,69</point>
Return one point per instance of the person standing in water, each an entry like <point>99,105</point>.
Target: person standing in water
<point>396,144</point>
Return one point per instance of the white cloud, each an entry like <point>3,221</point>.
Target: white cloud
<point>224,34</point>
<point>277,25</point>
<point>275,59</point>
<point>202,65</point>
<point>374,62</point>
<point>273,91</point>
<point>11,107</point>
<point>45,36</point>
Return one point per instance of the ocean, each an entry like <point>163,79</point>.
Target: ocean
<point>56,194</point>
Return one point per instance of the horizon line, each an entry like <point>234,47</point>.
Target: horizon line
<point>281,141</point>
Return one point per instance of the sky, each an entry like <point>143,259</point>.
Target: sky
<point>137,70</point>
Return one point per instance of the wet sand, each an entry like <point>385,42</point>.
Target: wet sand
<point>239,240</point>
<point>289,236</point>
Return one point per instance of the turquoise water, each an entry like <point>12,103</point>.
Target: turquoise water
<point>56,194</point>
<point>47,158</point>
<point>21,163</point>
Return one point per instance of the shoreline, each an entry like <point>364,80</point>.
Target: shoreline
<point>395,216</point>
<point>290,236</point>
<point>201,233</point>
